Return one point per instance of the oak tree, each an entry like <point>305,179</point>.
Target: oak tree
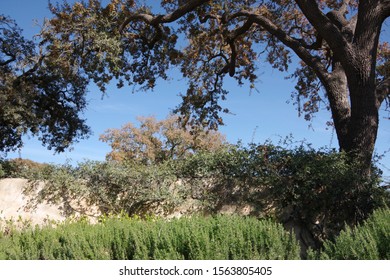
<point>342,61</point>
<point>37,95</point>
<point>154,141</point>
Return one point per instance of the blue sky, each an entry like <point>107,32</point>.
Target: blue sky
<point>257,116</point>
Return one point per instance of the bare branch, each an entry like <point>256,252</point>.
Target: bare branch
<point>142,17</point>
<point>209,16</point>
<point>352,23</point>
<point>241,30</point>
<point>236,33</point>
<point>4,63</point>
<point>233,56</point>
<point>221,55</point>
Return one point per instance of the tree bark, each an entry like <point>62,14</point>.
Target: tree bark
<point>360,70</point>
<point>351,86</point>
<point>336,87</point>
<point>354,108</point>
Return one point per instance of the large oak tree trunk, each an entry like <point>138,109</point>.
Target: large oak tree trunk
<point>357,128</point>
<point>356,124</point>
<point>355,118</point>
<point>362,130</point>
<point>352,89</point>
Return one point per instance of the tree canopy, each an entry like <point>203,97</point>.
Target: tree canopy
<point>154,141</point>
<point>37,95</point>
<point>343,64</point>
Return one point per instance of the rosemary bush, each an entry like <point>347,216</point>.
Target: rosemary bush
<point>368,241</point>
<point>196,238</point>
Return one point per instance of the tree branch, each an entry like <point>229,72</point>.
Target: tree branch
<point>236,33</point>
<point>4,63</point>
<point>241,30</point>
<point>142,17</point>
<point>368,26</point>
<point>182,10</point>
<point>386,8</point>
<point>287,40</point>
<point>383,91</point>
<point>159,19</point>
<point>344,7</point>
<point>326,28</point>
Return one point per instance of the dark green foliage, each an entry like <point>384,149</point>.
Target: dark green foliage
<point>368,241</point>
<point>20,168</point>
<point>323,189</point>
<point>112,187</point>
<point>38,96</point>
<point>319,190</point>
<point>192,238</point>
<point>220,237</point>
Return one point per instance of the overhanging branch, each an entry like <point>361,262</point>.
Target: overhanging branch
<point>386,8</point>
<point>160,19</point>
<point>294,44</point>
<point>231,67</point>
<point>327,28</point>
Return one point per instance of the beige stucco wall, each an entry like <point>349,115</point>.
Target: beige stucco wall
<point>14,204</point>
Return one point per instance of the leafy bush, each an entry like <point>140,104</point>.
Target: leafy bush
<point>112,187</point>
<point>220,237</point>
<point>320,190</point>
<point>368,241</point>
<point>2,171</point>
<point>139,189</point>
<point>323,190</point>
<point>16,168</point>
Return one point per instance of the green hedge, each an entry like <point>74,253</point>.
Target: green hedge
<point>320,189</point>
<point>191,238</point>
<point>368,241</point>
<point>219,237</point>
<point>292,184</point>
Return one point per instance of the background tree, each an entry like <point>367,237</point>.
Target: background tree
<point>37,96</point>
<point>336,41</point>
<point>154,141</point>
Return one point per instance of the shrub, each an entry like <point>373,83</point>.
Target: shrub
<point>217,178</point>
<point>2,171</point>
<point>368,241</point>
<point>112,187</point>
<point>323,190</point>
<point>19,168</point>
<point>320,190</point>
<point>220,237</point>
